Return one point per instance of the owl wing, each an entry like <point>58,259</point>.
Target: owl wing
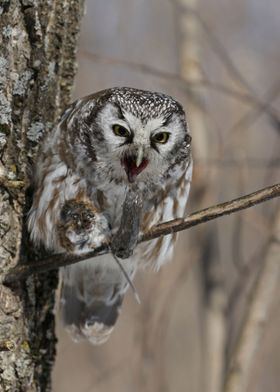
<point>171,204</point>
<point>63,219</point>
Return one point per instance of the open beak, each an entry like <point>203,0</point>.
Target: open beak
<point>134,164</point>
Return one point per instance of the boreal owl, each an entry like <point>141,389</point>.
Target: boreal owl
<point>104,144</point>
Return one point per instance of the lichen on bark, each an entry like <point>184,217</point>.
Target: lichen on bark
<point>37,65</point>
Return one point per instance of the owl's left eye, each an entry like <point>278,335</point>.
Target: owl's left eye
<point>161,137</point>
<point>121,131</point>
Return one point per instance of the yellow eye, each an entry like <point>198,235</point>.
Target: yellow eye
<point>161,137</point>
<point>121,131</point>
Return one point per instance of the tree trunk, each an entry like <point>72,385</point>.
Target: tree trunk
<point>213,299</point>
<point>37,66</point>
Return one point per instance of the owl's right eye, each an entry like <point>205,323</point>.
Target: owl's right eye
<point>121,131</point>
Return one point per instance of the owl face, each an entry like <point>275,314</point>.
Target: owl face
<point>142,135</point>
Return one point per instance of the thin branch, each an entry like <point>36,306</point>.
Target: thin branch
<point>253,163</point>
<point>253,114</point>
<point>214,212</point>
<point>196,218</point>
<point>182,83</point>
<point>223,54</point>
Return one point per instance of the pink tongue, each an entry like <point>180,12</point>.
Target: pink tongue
<point>131,169</point>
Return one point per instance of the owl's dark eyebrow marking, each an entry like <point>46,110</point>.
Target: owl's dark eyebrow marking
<point>120,113</point>
<point>167,120</point>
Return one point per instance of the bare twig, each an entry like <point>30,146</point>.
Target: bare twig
<point>257,317</point>
<point>253,163</point>
<point>214,212</point>
<point>223,54</point>
<point>176,78</point>
<point>254,113</point>
<point>205,215</point>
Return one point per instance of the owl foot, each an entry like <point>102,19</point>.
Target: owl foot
<point>82,228</point>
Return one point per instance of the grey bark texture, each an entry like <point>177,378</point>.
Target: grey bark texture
<point>38,42</point>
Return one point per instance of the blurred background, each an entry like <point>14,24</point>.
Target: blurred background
<point>220,59</point>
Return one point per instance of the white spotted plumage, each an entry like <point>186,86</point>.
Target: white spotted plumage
<point>83,171</point>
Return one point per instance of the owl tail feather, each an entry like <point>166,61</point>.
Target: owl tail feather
<point>94,323</point>
<point>91,297</point>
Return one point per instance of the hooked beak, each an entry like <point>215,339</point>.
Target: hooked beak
<point>139,156</point>
<point>134,164</point>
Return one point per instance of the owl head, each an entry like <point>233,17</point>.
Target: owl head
<point>134,135</point>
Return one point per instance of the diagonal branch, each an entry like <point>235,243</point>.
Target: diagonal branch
<point>183,84</point>
<point>196,218</point>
